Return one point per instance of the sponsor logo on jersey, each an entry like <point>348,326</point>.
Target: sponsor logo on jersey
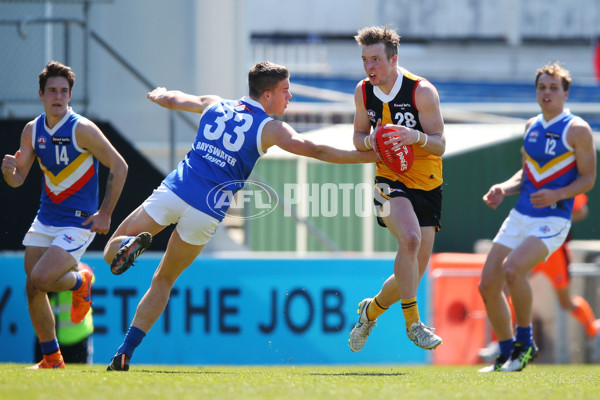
<point>61,141</point>
<point>79,213</point>
<point>405,105</point>
<point>552,135</point>
<point>533,135</point>
<point>371,114</point>
<point>42,142</point>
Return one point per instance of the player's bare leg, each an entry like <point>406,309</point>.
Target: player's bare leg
<point>137,222</point>
<point>404,225</point>
<point>130,239</point>
<point>178,256</point>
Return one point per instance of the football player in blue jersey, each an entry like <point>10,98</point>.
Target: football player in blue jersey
<point>231,137</point>
<point>68,148</point>
<point>559,163</point>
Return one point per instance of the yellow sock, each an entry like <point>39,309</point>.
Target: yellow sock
<point>411,311</point>
<point>375,310</point>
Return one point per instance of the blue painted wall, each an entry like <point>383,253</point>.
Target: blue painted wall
<point>230,311</point>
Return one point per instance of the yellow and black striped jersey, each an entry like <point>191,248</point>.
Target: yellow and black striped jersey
<point>398,107</point>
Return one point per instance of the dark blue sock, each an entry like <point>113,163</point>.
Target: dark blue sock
<point>133,338</point>
<point>49,347</point>
<point>506,347</point>
<point>78,284</point>
<point>524,335</point>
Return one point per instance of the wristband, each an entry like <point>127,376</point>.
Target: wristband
<point>368,143</point>
<point>418,136</point>
<point>426,139</point>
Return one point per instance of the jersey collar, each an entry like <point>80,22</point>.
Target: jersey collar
<point>386,98</point>
<point>252,102</point>
<point>60,123</point>
<point>554,120</point>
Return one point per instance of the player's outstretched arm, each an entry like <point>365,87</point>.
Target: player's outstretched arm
<point>176,100</point>
<point>15,168</point>
<point>278,133</point>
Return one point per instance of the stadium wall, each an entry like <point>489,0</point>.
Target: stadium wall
<point>246,311</point>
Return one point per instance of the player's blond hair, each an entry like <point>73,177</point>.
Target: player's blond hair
<point>555,70</point>
<point>379,34</point>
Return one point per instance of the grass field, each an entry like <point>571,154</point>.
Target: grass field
<point>307,382</point>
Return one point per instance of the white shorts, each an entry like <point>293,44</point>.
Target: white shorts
<point>73,240</point>
<point>193,226</point>
<point>516,227</point>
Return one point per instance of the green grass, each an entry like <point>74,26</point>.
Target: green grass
<point>306,382</point>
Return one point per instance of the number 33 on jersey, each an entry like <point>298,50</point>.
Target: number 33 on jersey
<point>226,148</point>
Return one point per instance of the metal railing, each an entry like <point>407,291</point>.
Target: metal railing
<point>136,73</point>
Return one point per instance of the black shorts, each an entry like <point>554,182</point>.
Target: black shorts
<point>427,204</point>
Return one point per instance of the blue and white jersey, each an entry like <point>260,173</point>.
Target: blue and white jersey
<point>549,164</point>
<point>70,181</point>
<point>227,146</point>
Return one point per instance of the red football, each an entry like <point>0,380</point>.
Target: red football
<point>398,161</point>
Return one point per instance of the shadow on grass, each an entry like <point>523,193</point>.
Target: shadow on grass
<point>213,372</point>
<point>187,372</point>
<point>357,373</point>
